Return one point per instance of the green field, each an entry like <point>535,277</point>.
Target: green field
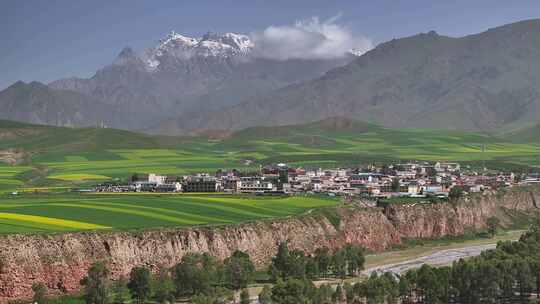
<point>35,213</point>
<point>57,159</point>
<point>81,157</point>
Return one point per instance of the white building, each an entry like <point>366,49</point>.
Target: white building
<point>156,179</point>
<point>254,184</point>
<point>447,167</point>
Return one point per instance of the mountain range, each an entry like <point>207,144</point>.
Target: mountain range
<point>482,82</point>
<point>179,75</point>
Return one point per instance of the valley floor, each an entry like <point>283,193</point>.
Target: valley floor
<point>436,253</point>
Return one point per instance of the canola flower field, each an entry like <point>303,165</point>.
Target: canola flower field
<point>39,213</point>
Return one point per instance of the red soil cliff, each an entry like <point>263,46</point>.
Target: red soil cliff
<point>61,260</point>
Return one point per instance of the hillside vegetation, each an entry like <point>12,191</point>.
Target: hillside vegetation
<point>54,156</point>
<point>530,134</point>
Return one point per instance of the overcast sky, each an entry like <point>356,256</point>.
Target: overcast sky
<point>47,40</point>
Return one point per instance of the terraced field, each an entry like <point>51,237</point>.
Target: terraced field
<point>8,177</point>
<point>120,163</point>
<point>57,159</point>
<point>64,157</point>
<point>34,213</point>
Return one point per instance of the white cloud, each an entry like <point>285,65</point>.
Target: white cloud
<point>308,39</point>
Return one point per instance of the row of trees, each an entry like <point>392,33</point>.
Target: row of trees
<point>296,264</point>
<point>206,280</point>
<point>508,274</point>
<point>199,276</point>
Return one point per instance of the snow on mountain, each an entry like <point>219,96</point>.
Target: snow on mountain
<point>210,45</point>
<point>357,52</point>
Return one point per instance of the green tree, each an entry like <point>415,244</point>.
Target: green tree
<point>428,284</point>
<point>140,284</point>
<point>349,292</point>
<point>238,270</point>
<point>355,259</point>
<point>339,263</point>
<point>492,225</point>
<point>222,295</point>
<point>507,279</point>
<point>195,274</point>
<point>373,289</point>
<point>312,268</point>
<point>391,287</point>
<point>386,170</point>
<point>215,295</point>
<point>338,295</point>
<point>323,260</point>
<point>535,268</point>
<point>203,299</point>
<point>487,280</point>
<point>244,297</point>
<point>524,279</point>
<point>405,289</point>
<point>323,295</point>
<point>163,287</point>
<point>96,284</point>
<point>461,278</point>
<point>280,262</point>
<point>293,291</point>
<point>40,292</point>
<point>456,192</point>
<point>120,291</point>
<point>431,172</point>
<point>297,265</point>
<point>265,297</point>
<point>395,184</point>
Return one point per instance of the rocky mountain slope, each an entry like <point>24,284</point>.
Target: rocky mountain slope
<point>478,82</point>
<point>37,103</point>
<point>61,260</point>
<point>183,75</point>
<point>528,134</point>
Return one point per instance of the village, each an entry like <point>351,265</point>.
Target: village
<point>413,179</point>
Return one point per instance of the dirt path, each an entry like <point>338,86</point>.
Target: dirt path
<point>409,254</point>
<point>439,258</point>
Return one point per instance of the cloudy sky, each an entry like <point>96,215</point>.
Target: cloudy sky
<point>47,40</point>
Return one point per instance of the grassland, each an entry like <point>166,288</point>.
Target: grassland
<point>67,157</point>
<point>35,213</point>
<point>8,176</point>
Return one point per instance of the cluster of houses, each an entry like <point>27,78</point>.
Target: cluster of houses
<point>415,179</point>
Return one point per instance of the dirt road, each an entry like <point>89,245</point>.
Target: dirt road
<point>438,258</point>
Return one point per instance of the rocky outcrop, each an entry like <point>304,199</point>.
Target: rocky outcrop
<point>453,219</point>
<point>61,260</point>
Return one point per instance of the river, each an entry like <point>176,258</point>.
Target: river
<point>439,258</point>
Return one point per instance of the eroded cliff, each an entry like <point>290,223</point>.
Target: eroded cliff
<point>61,260</point>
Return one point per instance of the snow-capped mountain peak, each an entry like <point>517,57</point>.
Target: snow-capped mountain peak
<point>182,48</point>
<point>239,42</point>
<point>175,38</point>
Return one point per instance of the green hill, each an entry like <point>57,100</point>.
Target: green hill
<point>40,138</point>
<point>321,134</point>
<point>54,156</point>
<point>530,134</point>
